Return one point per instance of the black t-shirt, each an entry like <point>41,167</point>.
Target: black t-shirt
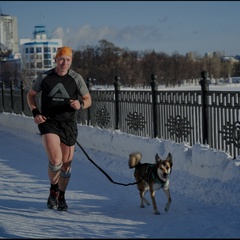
<point>57,92</point>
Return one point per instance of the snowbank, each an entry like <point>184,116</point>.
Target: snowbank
<point>199,160</point>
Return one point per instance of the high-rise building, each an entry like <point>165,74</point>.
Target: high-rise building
<point>38,54</point>
<point>9,33</point>
<point>10,62</point>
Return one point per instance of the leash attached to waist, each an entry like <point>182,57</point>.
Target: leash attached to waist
<point>109,178</point>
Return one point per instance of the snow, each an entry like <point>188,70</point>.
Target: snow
<point>204,186</point>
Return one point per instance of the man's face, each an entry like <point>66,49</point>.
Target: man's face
<point>64,62</point>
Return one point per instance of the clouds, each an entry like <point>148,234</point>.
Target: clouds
<point>121,37</point>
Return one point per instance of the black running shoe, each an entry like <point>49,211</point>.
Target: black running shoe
<point>62,205</point>
<point>52,202</point>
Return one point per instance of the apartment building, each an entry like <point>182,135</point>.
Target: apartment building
<point>9,33</point>
<point>38,54</point>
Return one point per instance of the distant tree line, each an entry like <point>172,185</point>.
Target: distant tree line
<point>103,62</point>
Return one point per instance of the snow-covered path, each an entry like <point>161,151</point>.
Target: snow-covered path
<point>97,207</point>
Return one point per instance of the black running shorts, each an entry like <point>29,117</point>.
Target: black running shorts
<point>66,130</point>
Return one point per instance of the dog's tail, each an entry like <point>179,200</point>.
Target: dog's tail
<point>134,159</point>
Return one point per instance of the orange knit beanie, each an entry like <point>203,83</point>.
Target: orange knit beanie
<point>67,51</point>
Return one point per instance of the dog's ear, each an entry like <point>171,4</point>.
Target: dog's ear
<point>169,158</point>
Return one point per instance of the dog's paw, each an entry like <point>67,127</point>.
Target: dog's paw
<point>156,212</point>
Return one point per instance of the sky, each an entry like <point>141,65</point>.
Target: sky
<point>163,26</point>
<point>204,186</point>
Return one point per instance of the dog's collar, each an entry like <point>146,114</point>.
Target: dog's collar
<point>156,178</point>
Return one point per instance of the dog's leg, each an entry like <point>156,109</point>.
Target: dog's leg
<point>142,188</point>
<point>167,192</point>
<point>152,193</point>
<point>142,197</point>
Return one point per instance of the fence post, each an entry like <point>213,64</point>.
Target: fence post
<point>117,88</point>
<point>204,88</point>
<point>154,90</point>
<point>3,86</point>
<point>22,99</point>
<point>89,85</point>
<point>11,89</point>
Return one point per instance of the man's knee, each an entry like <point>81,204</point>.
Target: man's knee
<point>55,168</point>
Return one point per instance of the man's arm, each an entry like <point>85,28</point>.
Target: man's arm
<point>31,99</point>
<point>87,100</point>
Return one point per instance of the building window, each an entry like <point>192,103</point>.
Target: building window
<point>47,49</point>
<point>39,65</point>
<point>39,57</point>
<point>36,56</point>
<point>38,49</point>
<point>47,56</point>
<point>47,64</point>
<point>31,50</point>
<point>26,50</point>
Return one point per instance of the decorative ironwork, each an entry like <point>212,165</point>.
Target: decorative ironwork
<point>179,126</point>
<point>135,121</point>
<point>231,133</point>
<point>102,117</point>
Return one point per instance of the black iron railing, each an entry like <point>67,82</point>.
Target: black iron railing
<point>206,117</point>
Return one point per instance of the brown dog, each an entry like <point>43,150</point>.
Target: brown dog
<point>152,177</point>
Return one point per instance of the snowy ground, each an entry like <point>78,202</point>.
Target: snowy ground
<point>204,186</point>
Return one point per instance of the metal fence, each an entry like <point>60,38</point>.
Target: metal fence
<point>206,117</point>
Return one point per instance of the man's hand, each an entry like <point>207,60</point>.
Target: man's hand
<point>75,104</point>
<point>40,119</point>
